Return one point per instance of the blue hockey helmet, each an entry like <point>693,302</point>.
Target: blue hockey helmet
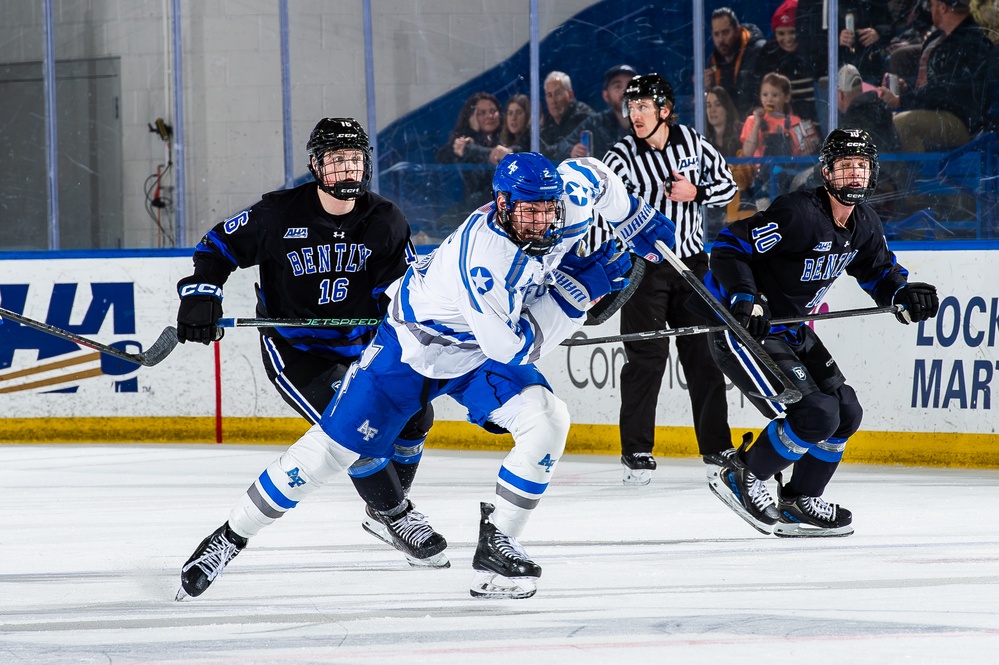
<point>529,176</point>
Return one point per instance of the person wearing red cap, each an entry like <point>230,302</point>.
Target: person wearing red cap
<point>782,54</point>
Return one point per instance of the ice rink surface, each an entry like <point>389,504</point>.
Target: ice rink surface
<point>93,539</point>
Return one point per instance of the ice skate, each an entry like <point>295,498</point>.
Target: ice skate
<point>745,494</point>
<point>810,517</point>
<point>208,561</point>
<point>502,567</point>
<point>638,468</point>
<point>715,461</point>
<point>411,534</point>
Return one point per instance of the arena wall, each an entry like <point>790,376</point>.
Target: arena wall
<point>926,389</point>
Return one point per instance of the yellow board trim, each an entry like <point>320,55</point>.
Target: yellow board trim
<point>903,448</point>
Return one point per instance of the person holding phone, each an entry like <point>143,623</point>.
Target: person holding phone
<point>602,129</point>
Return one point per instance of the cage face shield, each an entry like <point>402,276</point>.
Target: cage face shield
<point>849,181</point>
<point>528,190</point>
<point>340,157</point>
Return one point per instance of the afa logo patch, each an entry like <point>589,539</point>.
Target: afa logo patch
<point>297,232</point>
<point>482,279</point>
<point>577,193</point>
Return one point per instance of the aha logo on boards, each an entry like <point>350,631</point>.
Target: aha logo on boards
<point>58,365</point>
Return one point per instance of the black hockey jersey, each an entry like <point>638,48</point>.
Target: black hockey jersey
<point>793,251</point>
<point>313,264</point>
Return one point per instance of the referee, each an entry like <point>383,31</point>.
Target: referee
<point>676,170</point>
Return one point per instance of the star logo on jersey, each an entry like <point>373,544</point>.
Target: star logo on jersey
<point>577,193</point>
<point>482,280</point>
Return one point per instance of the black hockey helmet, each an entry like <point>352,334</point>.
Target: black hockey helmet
<point>338,134</point>
<point>654,87</point>
<point>848,143</point>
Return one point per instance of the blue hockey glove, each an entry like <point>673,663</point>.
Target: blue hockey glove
<point>200,309</point>
<point>920,302</point>
<point>644,228</point>
<point>579,281</point>
<point>753,314</point>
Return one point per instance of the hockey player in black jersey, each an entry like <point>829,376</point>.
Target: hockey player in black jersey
<point>326,249</point>
<point>780,263</point>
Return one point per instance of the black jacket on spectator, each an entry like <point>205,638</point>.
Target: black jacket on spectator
<point>796,67</point>
<point>477,183</point>
<point>955,75</point>
<point>870,112</point>
<point>739,76</point>
<point>552,132</point>
<point>870,60</point>
<point>606,132</point>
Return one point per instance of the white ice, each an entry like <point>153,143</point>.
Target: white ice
<point>93,538</point>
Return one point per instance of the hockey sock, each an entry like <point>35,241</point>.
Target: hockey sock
<point>377,483</point>
<point>775,449</point>
<point>406,461</point>
<point>539,423</point>
<point>814,471</point>
<point>305,467</point>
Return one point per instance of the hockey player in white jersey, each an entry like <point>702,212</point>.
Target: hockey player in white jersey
<point>470,320</point>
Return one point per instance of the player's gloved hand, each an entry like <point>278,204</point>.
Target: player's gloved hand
<point>579,281</point>
<point>200,309</point>
<point>920,302</point>
<point>644,228</point>
<point>752,313</point>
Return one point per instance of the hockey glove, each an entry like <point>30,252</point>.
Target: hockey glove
<point>753,314</point>
<point>644,228</point>
<point>579,281</point>
<point>919,300</point>
<point>200,309</point>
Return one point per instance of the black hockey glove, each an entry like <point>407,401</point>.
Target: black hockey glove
<point>200,309</point>
<point>752,313</point>
<point>920,302</point>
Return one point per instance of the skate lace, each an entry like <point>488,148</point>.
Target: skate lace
<point>413,528</point>
<point>758,492</point>
<point>509,547</point>
<point>218,553</point>
<point>816,507</point>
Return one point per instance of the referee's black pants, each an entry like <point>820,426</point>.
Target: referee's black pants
<point>659,300</point>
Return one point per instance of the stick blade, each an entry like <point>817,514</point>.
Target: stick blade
<point>160,349</point>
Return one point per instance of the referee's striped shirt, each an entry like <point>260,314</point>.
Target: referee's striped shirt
<point>644,170</point>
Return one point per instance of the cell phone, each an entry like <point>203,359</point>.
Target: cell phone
<point>893,84</point>
<point>586,138</point>
<point>849,22</point>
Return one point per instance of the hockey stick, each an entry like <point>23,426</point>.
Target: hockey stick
<point>155,354</point>
<point>296,323</point>
<point>697,330</point>
<point>789,394</point>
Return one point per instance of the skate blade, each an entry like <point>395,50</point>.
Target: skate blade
<point>181,595</point>
<point>438,560</point>
<point>795,530</point>
<point>726,497</point>
<point>490,585</point>
<point>434,561</point>
<point>637,477</point>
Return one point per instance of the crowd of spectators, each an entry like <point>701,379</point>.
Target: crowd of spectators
<point>918,75</point>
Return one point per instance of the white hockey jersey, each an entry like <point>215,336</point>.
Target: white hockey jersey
<point>479,296</point>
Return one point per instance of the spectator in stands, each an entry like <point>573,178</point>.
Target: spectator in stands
<point>564,113</point>
<point>782,55</point>
<point>864,46</point>
<point>861,108</point>
<point>722,131</point>
<point>605,128</point>
<point>733,60</point>
<point>475,134</point>
<point>516,133</point>
<point>944,106</point>
<point>773,128</point>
